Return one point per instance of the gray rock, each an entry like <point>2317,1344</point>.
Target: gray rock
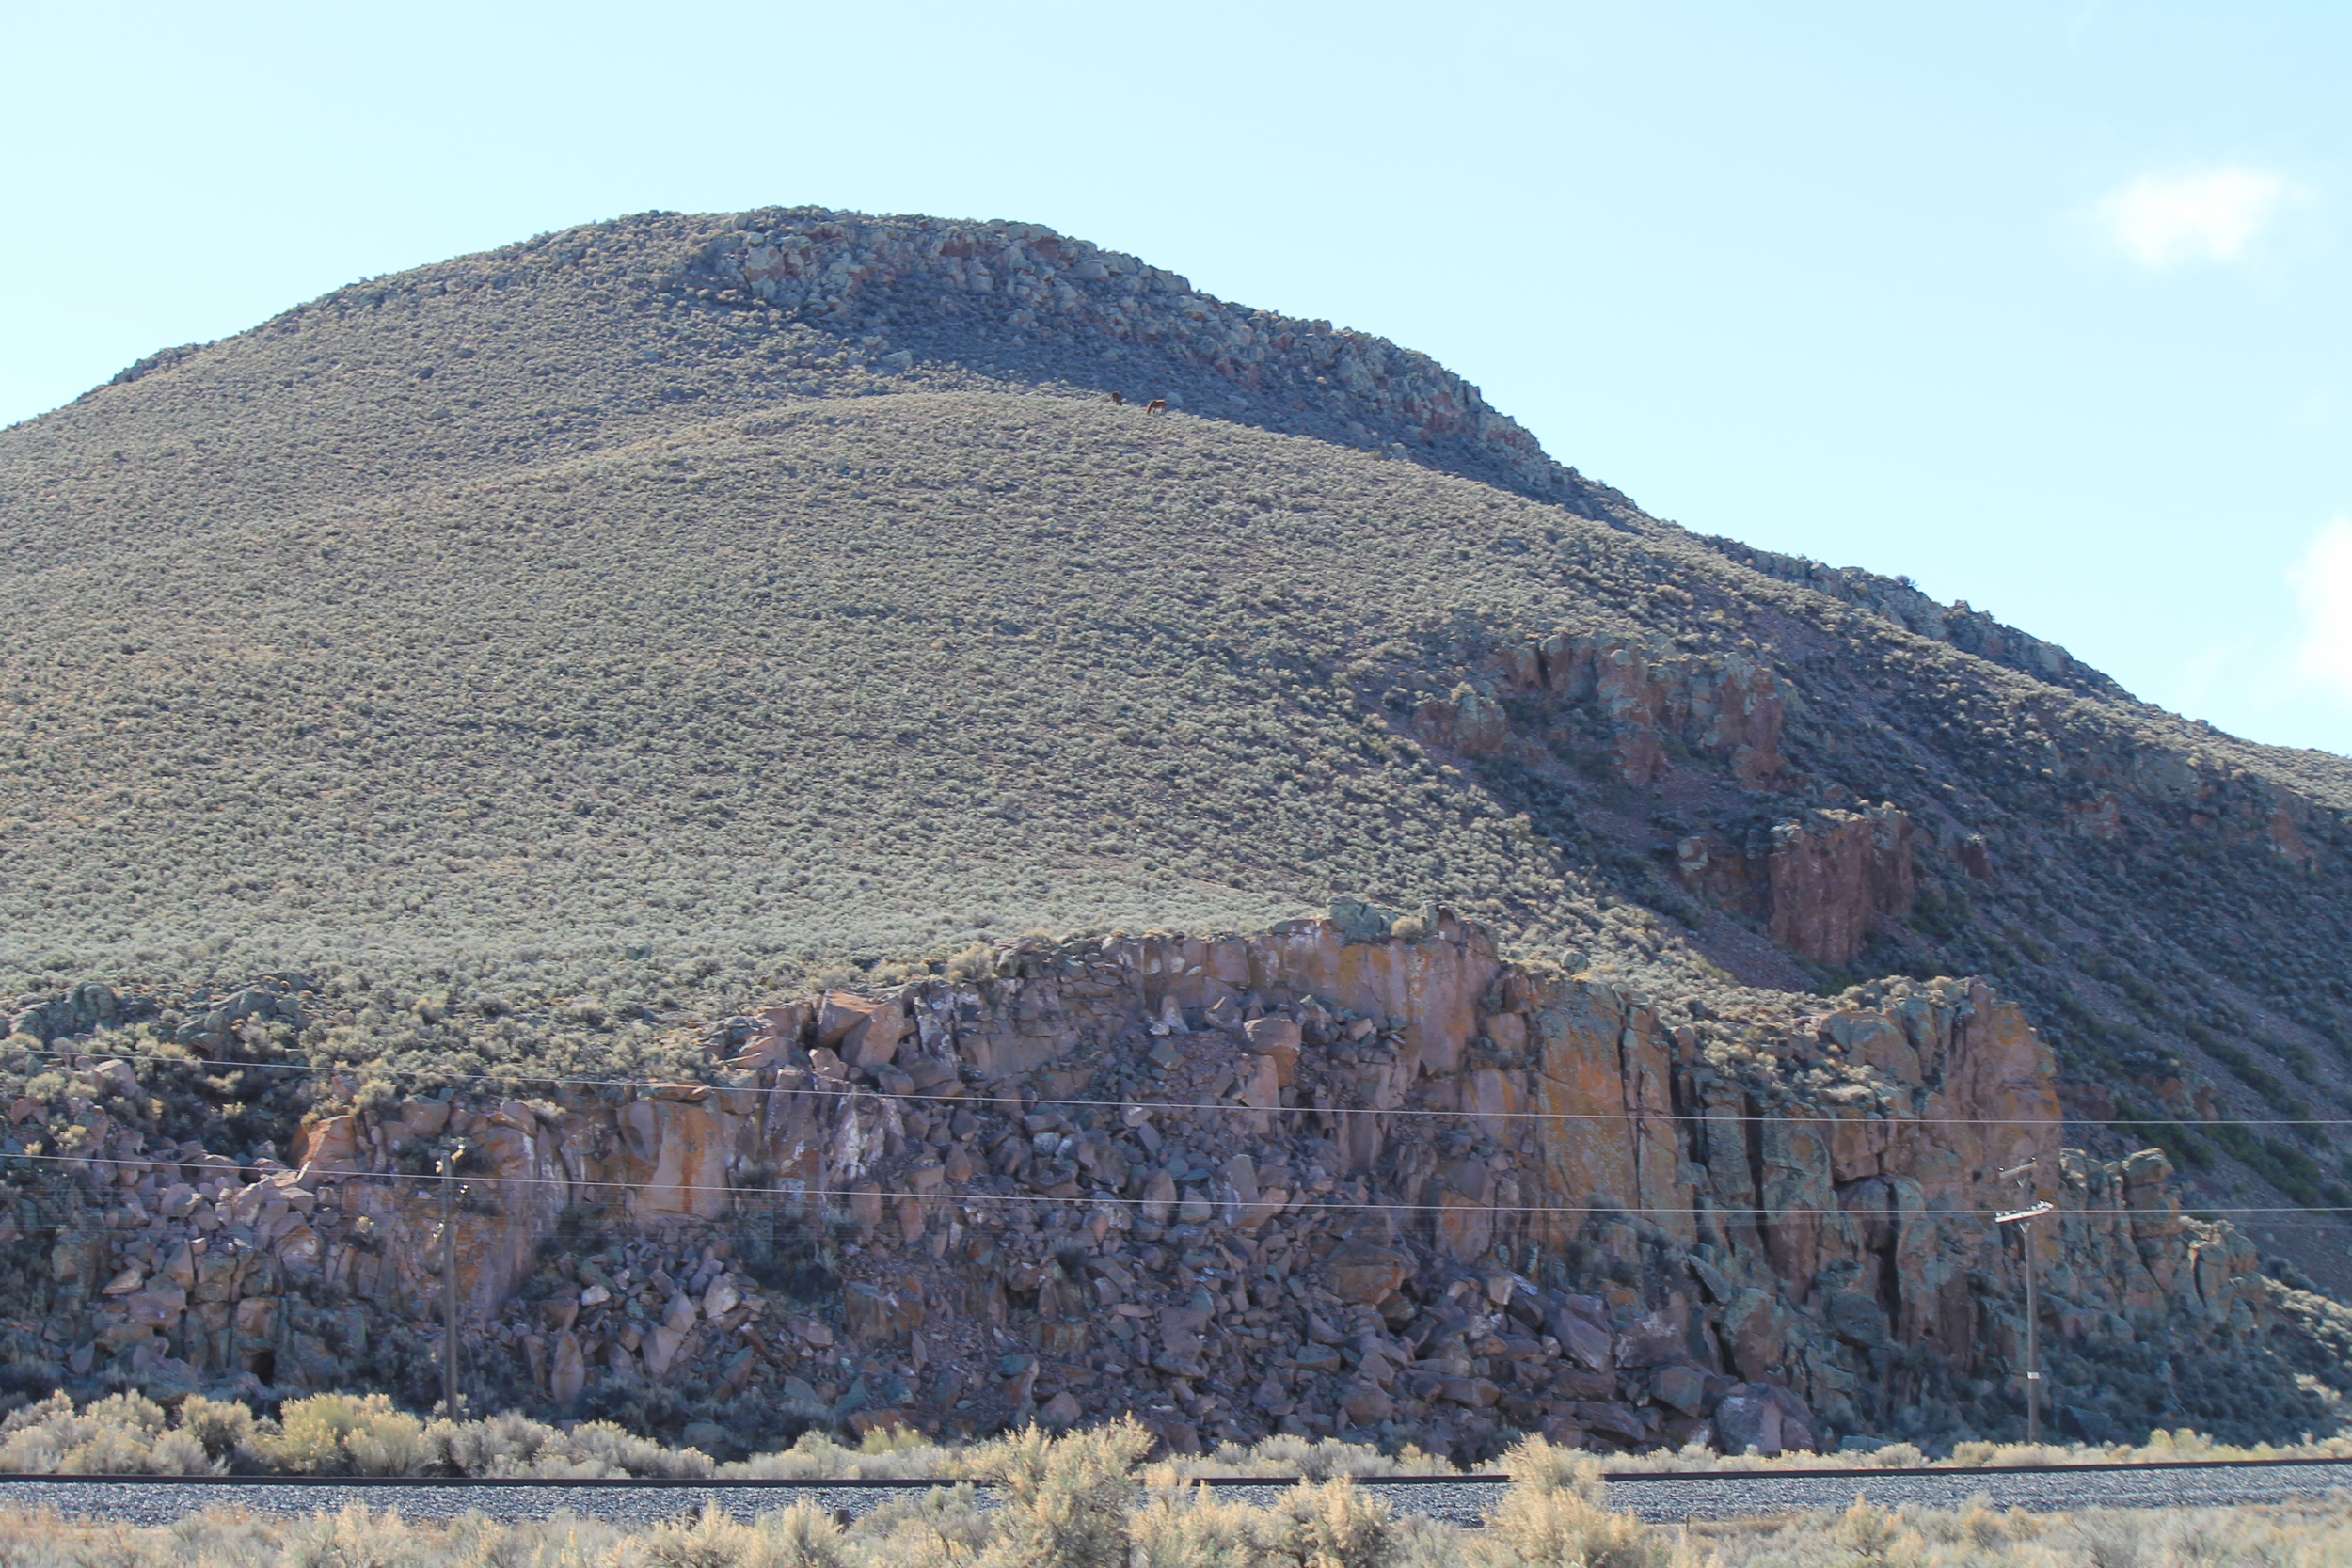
<point>1581,1340</point>
<point>1747,1422</point>
<point>1857,1319</point>
<point>1684,1388</point>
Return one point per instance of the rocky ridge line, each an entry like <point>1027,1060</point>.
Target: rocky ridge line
<point>843,270</point>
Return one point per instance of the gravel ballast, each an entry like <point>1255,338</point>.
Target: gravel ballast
<point>1656,1499</point>
<point>1733,1495</point>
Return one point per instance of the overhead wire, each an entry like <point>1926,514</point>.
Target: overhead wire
<point>531,1080</point>
<point>1018,1104</point>
<point>1087,1199</point>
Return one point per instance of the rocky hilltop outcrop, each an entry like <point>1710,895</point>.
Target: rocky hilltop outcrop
<point>911,284</point>
<point>1352,1175</point>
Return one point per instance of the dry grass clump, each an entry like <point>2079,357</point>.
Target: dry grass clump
<point>349,1434</point>
<point>119,1435</point>
<point>1082,1500</point>
<point>1315,1459</point>
<point>1330,1525</point>
<point>1065,1499</point>
<point>1553,1512</point>
<point>886,1453</point>
<point>1075,1521</point>
<point>368,1435</point>
<point>801,1536</point>
<point>1980,1536</point>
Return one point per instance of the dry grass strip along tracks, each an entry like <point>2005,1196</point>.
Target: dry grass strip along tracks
<point>1659,1497</point>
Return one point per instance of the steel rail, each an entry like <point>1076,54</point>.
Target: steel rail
<point>1859,1473</point>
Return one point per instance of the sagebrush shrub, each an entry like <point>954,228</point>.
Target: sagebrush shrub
<point>1066,1499</point>
<point>1551,1526</point>
<point>1191,1527</point>
<point>945,1527</point>
<point>711,1540</point>
<point>336,1433</point>
<point>1333,1524</point>
<point>1540,1465</point>
<point>222,1426</point>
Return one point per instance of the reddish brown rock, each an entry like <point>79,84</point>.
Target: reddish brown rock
<point>1279,1038</point>
<point>330,1144</point>
<point>873,1315</point>
<point>873,1044</point>
<point>1833,873</point>
<point>840,1012</point>
<point>1366,1272</point>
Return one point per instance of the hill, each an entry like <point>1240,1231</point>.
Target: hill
<point>549,648</point>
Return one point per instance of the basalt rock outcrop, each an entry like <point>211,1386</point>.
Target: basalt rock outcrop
<point>1817,878</point>
<point>916,282</point>
<point>1820,880</point>
<point>1349,1175</point>
<point>1644,703</point>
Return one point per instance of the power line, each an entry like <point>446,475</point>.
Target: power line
<point>797,1194</point>
<point>1223,1106</point>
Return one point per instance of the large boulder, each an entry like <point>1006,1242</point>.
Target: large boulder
<point>1747,1421</point>
<point>1367,1273</point>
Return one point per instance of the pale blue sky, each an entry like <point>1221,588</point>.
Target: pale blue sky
<point>2048,306</point>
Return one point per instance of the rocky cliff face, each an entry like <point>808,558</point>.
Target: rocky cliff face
<point>1331,611</point>
<point>1348,1174</point>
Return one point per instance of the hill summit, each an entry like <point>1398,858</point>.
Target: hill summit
<point>528,657</point>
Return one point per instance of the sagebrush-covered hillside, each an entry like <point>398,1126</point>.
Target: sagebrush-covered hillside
<point>632,623</point>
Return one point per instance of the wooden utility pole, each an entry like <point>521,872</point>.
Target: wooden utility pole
<point>450,1162</point>
<point>2020,1218</point>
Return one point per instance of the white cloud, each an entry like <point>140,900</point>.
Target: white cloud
<point>2323,582</point>
<point>2161,221</point>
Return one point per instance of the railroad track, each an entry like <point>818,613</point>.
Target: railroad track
<point>1662,1497</point>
